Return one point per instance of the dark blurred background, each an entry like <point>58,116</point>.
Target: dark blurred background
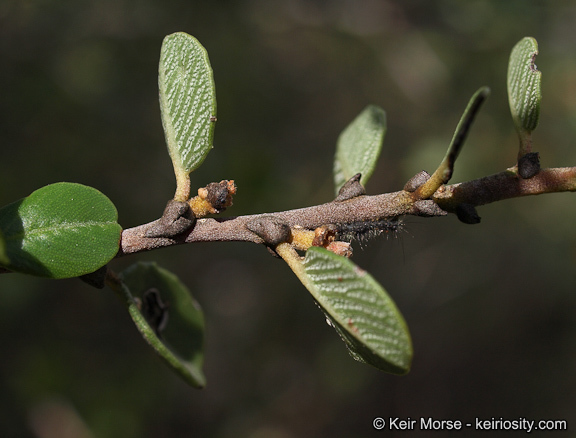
<point>491,307</point>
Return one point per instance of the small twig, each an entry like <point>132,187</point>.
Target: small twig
<point>505,185</point>
<point>360,208</point>
<point>481,191</point>
<point>497,187</point>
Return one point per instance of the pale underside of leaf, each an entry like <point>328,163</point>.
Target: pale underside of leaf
<point>524,82</point>
<point>360,310</point>
<point>187,100</point>
<point>359,146</point>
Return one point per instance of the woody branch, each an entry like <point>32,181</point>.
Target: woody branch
<point>504,185</point>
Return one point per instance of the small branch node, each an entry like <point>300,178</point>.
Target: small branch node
<point>213,199</point>
<point>529,165</point>
<point>302,238</point>
<point>428,208</point>
<point>324,235</point>
<point>176,219</point>
<point>272,230</point>
<point>351,189</point>
<point>467,214</point>
<point>416,181</point>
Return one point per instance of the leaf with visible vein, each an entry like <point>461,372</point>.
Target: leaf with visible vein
<point>187,101</point>
<point>358,308</point>
<point>524,82</point>
<point>61,230</point>
<point>359,146</point>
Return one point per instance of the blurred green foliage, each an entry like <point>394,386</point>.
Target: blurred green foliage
<point>491,315</point>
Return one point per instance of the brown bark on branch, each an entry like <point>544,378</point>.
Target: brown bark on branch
<point>497,187</point>
<point>505,185</point>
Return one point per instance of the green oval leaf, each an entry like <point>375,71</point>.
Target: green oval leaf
<point>359,145</point>
<point>62,230</point>
<point>187,101</point>
<point>359,309</point>
<point>524,79</point>
<point>164,300</point>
